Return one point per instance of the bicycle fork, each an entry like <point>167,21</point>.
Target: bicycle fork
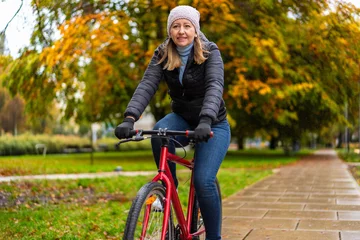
<point>164,172</point>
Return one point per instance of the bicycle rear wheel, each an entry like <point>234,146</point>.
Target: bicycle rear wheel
<point>145,218</point>
<point>196,220</point>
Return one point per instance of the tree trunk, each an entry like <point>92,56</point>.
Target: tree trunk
<point>92,146</point>
<point>340,140</point>
<point>273,143</point>
<point>240,140</point>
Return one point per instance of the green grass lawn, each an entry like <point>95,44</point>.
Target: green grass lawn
<point>98,208</point>
<point>129,161</point>
<point>348,156</point>
<point>76,163</point>
<point>351,157</point>
<point>90,208</point>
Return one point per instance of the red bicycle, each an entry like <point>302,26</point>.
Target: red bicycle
<point>152,215</point>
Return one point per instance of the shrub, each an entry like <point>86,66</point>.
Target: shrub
<point>25,144</point>
<point>109,144</point>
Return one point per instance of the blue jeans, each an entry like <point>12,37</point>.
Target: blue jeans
<point>208,158</point>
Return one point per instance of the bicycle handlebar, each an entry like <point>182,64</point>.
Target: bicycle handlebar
<point>161,132</point>
<point>165,132</point>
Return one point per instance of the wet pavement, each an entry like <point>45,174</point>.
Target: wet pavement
<point>316,198</point>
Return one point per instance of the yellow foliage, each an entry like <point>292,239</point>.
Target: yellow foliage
<point>275,81</point>
<point>220,10</point>
<point>249,106</point>
<point>303,86</point>
<point>342,41</point>
<point>4,63</point>
<point>280,95</point>
<point>231,121</point>
<point>267,42</point>
<point>94,38</point>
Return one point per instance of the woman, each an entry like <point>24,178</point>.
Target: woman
<point>193,70</point>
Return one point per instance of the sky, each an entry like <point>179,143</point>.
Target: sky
<point>19,30</point>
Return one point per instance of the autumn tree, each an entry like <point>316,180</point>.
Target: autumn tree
<point>289,65</point>
<point>93,69</point>
<point>12,114</point>
<point>279,82</point>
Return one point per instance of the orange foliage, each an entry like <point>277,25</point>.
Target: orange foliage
<point>94,38</point>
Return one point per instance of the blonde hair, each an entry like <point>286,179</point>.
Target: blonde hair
<point>169,52</point>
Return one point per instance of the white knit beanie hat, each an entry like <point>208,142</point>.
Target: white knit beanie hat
<point>184,12</point>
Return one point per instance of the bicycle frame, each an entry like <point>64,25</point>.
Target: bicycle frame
<point>166,178</point>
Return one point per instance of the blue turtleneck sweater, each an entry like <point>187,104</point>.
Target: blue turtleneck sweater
<point>184,53</point>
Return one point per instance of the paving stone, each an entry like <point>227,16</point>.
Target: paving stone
<point>261,185</point>
<point>350,235</point>
<point>349,215</point>
<point>278,190</point>
<point>297,195</point>
<point>303,200</point>
<point>329,225</point>
<point>231,212</point>
<point>325,185</point>
<point>260,189</point>
<point>273,206</point>
<point>334,188</point>
<point>348,196</point>
<point>234,233</point>
<point>246,223</point>
<point>340,180</point>
<point>292,188</point>
<point>325,191</point>
<point>347,191</point>
<point>347,202</point>
<point>301,214</point>
<point>232,237</point>
<point>258,234</point>
<point>251,191</point>
<point>232,204</point>
<point>345,184</point>
<point>311,206</point>
<point>293,184</point>
<point>247,194</point>
<point>270,194</point>
<point>255,199</point>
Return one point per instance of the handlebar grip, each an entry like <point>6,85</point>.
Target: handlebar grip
<point>190,134</point>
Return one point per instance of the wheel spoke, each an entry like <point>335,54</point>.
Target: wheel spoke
<point>148,213</point>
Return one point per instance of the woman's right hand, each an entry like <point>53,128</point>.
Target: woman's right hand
<point>124,128</point>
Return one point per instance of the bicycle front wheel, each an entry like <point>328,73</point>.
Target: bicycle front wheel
<point>146,214</point>
<point>197,220</point>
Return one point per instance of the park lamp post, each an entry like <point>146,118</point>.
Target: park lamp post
<point>346,137</point>
<point>359,114</point>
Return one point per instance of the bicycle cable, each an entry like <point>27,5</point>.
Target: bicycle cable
<point>175,141</point>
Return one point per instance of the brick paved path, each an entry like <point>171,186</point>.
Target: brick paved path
<point>315,199</point>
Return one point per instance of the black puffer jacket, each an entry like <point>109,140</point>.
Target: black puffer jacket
<point>199,96</point>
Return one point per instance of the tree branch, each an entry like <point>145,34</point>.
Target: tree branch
<point>4,30</point>
<point>41,27</point>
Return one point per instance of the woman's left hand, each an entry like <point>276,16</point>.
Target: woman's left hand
<point>202,132</point>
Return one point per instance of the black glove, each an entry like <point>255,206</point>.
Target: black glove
<point>124,128</point>
<point>203,130</point>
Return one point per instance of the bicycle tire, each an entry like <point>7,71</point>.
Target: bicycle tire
<point>196,218</point>
<point>135,220</point>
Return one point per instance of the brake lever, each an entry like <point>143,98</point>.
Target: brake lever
<point>137,138</point>
<point>124,141</point>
